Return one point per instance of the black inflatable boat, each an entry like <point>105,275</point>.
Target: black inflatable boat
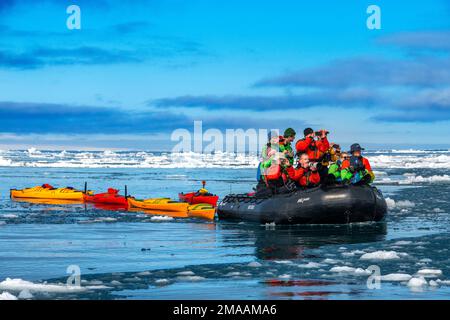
<point>323,205</point>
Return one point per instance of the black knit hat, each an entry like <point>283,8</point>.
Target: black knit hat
<point>308,131</point>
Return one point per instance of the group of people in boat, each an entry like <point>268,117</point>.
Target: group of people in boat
<point>314,161</point>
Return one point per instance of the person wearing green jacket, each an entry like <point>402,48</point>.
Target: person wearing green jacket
<point>357,169</point>
<point>285,144</point>
<point>268,153</point>
<point>334,171</point>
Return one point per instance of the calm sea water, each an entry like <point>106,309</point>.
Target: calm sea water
<point>129,255</point>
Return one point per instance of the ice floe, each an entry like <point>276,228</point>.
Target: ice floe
<point>383,255</point>
<point>350,270</point>
<point>25,294</point>
<point>401,277</point>
<point>161,218</point>
<point>7,296</point>
<point>254,264</point>
<point>191,278</point>
<point>18,285</point>
<point>401,204</point>
<point>417,282</point>
<point>310,265</point>
<point>429,273</point>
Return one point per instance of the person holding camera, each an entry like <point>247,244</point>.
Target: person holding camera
<point>334,171</point>
<point>357,169</point>
<point>306,175</point>
<point>315,145</point>
<point>275,177</point>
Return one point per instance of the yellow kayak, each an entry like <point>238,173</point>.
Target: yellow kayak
<point>160,204</point>
<point>202,210</point>
<point>47,193</point>
<point>172,214</point>
<point>48,201</point>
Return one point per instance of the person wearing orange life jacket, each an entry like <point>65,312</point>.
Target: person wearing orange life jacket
<point>315,145</point>
<point>314,148</point>
<point>357,169</point>
<point>306,175</point>
<point>276,176</point>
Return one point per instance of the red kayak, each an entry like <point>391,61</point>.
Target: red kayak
<point>201,196</point>
<point>111,197</point>
<point>195,198</point>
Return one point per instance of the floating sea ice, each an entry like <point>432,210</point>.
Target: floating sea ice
<point>352,253</point>
<point>191,278</point>
<point>350,270</point>
<point>402,204</point>
<point>417,282</point>
<point>283,261</point>
<point>390,203</point>
<point>116,283</point>
<point>285,276</point>
<point>429,273</point>
<point>396,277</point>
<point>419,179</point>
<point>254,264</point>
<point>233,274</point>
<point>310,265</point>
<point>443,282</point>
<point>382,255</point>
<point>433,283</point>
<point>105,219</point>
<point>20,285</point>
<point>161,218</point>
<point>402,243</point>
<point>25,294</point>
<point>405,204</point>
<point>9,216</point>
<point>7,296</point>
<point>161,281</point>
<point>330,261</point>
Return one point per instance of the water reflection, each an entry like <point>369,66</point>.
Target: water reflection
<point>289,242</point>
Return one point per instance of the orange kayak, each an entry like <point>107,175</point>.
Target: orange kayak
<point>202,210</point>
<point>161,204</point>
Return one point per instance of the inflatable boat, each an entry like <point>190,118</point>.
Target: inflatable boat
<point>322,205</point>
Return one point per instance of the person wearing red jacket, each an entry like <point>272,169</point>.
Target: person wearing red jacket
<point>306,175</point>
<point>314,148</point>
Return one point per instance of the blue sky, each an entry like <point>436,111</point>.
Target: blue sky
<point>137,71</point>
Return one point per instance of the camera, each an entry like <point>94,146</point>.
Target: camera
<point>319,133</point>
<point>313,165</point>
